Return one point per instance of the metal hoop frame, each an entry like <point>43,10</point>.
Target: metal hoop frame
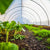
<point>32,10</point>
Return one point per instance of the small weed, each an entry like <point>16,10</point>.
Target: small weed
<point>18,36</point>
<point>39,38</point>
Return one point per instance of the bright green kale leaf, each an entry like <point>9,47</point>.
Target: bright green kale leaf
<point>8,46</point>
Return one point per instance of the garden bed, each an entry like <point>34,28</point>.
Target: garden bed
<point>30,42</point>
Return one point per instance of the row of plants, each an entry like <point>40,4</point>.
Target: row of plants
<point>30,27</point>
<point>39,33</point>
<point>13,29</point>
<point>7,29</point>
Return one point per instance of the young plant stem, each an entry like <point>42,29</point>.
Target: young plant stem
<point>7,36</point>
<point>15,33</point>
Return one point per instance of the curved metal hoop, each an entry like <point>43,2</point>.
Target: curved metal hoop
<point>33,10</point>
<point>17,14</point>
<point>28,8</point>
<point>28,13</point>
<point>43,9</point>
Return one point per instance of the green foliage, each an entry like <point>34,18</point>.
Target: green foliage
<point>31,28</point>
<point>18,36</point>
<point>8,46</point>
<point>5,23</point>
<point>35,28</point>
<point>39,38</point>
<point>42,33</point>
<point>39,33</point>
<point>0,35</point>
<point>4,4</point>
<point>7,27</point>
<point>0,22</point>
<point>13,23</point>
<point>48,40</point>
<point>19,27</point>
<point>40,27</point>
<point>48,47</point>
<point>28,27</point>
<point>1,28</point>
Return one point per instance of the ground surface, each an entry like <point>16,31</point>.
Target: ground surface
<point>30,42</point>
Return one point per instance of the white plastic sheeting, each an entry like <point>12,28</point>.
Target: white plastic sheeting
<point>2,17</point>
<point>29,12</point>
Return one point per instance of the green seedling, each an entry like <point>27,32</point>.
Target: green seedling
<point>39,38</point>
<point>18,36</point>
<point>42,33</point>
<point>8,46</point>
<point>18,28</point>
<point>48,41</point>
<point>48,47</point>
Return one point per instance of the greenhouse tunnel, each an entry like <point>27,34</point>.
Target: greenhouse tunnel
<point>28,12</point>
<point>24,24</point>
